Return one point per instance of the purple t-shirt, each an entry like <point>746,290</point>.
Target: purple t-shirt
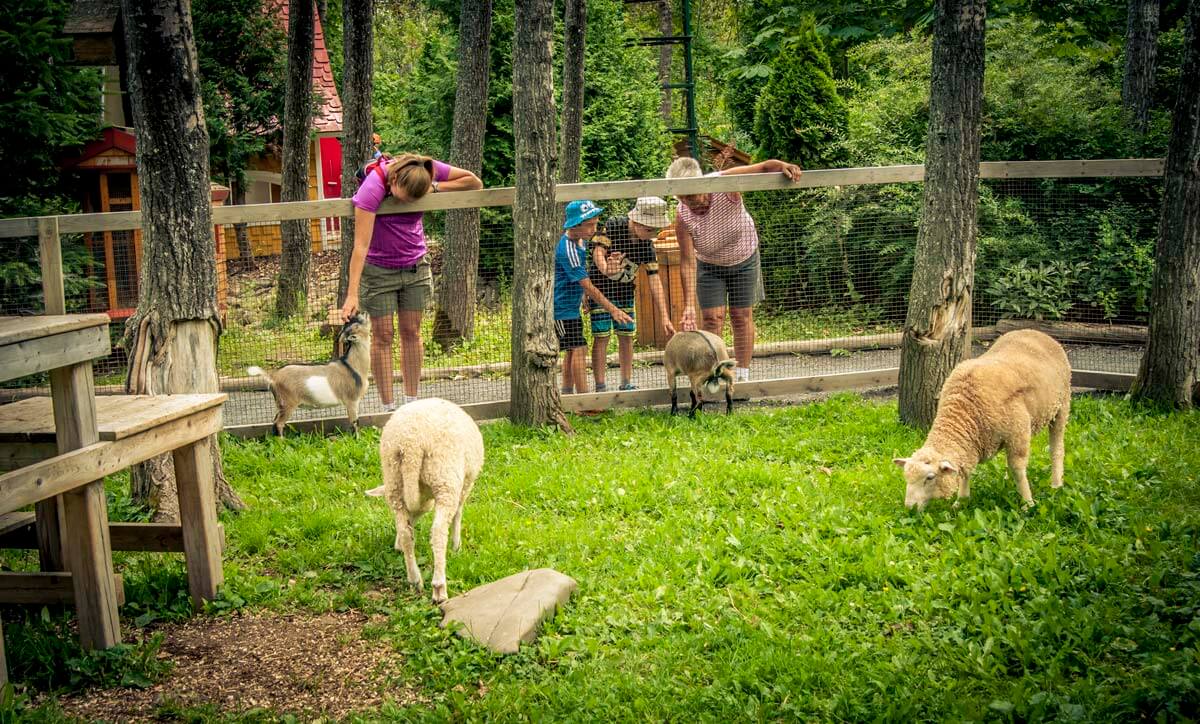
<point>398,239</point>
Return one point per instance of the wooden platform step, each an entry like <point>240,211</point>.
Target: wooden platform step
<point>117,416</point>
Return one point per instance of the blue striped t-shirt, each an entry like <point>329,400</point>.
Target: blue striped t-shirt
<point>570,268</point>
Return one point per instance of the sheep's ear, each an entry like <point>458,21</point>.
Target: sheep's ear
<point>900,462</point>
<point>948,467</point>
<point>375,492</point>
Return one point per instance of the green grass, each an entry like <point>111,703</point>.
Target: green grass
<point>756,567</point>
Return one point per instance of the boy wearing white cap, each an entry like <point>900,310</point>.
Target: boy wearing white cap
<point>624,247</point>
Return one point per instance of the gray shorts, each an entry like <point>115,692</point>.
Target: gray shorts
<point>387,291</point>
<point>737,286</point>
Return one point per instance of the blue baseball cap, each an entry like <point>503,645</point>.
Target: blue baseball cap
<point>580,211</point>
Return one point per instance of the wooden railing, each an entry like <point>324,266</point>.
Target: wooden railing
<point>48,227</point>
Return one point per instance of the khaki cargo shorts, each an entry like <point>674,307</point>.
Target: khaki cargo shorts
<point>387,291</point>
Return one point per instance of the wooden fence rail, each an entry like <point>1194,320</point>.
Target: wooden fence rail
<point>223,215</point>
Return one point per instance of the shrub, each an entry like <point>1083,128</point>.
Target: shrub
<point>1036,292</point>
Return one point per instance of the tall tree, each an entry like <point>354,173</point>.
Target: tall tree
<point>799,115</point>
<point>1170,370</point>
<point>1141,55</point>
<point>243,75</point>
<point>173,334</point>
<point>666,28</point>
<point>937,329</point>
<point>533,394</point>
<point>358,85</point>
<point>292,287</point>
<point>574,35</point>
<point>454,317</point>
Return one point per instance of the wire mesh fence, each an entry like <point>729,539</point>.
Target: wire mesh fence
<point>809,281</point>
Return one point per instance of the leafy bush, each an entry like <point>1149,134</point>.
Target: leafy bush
<point>1036,292</point>
<point>20,265</point>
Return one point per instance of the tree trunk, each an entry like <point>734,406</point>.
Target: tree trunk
<point>938,326</point>
<point>358,83</point>
<point>1170,371</point>
<point>574,37</point>
<point>173,334</point>
<point>666,28</point>
<point>454,317</point>
<point>533,392</point>
<point>241,231</point>
<point>292,289</point>
<point>1141,54</point>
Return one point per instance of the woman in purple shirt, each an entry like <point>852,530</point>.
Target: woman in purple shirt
<point>389,262</point>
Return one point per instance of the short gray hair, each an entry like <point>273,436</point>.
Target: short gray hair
<point>684,167</point>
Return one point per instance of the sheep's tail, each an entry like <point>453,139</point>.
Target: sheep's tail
<point>256,371</point>
<point>410,478</point>
<point>409,467</point>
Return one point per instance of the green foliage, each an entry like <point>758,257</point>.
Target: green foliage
<point>242,54</point>
<point>759,567</point>
<point>44,652</point>
<point>799,115</point>
<point>1043,291</point>
<point>47,105</point>
<point>20,268</point>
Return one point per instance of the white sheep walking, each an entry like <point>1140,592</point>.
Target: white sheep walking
<point>997,400</point>
<point>431,452</point>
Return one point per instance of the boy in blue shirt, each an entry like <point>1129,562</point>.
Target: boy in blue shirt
<point>571,282</point>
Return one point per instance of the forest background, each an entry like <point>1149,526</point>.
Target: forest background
<point>823,84</point>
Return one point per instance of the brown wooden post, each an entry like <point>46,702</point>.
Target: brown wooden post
<point>3,659</point>
<point>49,512</point>
<point>85,512</point>
<point>198,518</point>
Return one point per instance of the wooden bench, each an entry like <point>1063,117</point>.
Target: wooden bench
<point>66,482</point>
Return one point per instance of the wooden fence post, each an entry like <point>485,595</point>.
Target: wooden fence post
<point>49,512</point>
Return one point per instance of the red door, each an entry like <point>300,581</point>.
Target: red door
<point>331,174</point>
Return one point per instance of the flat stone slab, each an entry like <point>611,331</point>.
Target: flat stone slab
<point>504,613</point>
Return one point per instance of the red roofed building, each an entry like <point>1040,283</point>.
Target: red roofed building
<point>264,173</point>
<point>95,28</point>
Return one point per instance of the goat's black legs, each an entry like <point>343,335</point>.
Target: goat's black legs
<point>695,404</point>
<point>674,403</point>
<point>728,401</point>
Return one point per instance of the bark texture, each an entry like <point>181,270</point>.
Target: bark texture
<point>1170,371</point>
<point>938,325</point>
<point>666,27</point>
<point>1141,56</point>
<point>173,334</point>
<point>358,85</point>
<point>574,35</point>
<point>454,315</point>
<point>292,288</point>
<point>534,394</point>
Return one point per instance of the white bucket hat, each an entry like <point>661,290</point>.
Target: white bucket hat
<point>650,211</point>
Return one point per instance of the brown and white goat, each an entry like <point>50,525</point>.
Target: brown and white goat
<point>340,382</point>
<point>703,357</point>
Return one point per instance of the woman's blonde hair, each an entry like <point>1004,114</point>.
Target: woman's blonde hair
<point>412,173</point>
<point>684,167</point>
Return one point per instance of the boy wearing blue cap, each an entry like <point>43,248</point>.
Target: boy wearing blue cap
<point>571,282</point>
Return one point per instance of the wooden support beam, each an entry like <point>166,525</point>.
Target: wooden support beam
<point>1114,381</point>
<point>198,518</point>
<point>45,588</point>
<point>18,530</point>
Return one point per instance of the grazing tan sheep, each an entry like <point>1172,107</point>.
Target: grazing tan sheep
<point>431,453</point>
<point>997,400</point>
<point>342,381</point>
<point>701,356</point>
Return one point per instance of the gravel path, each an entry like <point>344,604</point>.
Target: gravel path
<point>247,408</point>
